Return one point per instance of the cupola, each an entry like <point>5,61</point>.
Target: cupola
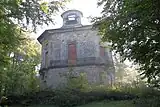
<point>72,18</point>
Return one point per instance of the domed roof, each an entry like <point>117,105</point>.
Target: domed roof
<point>72,18</point>
<point>72,11</point>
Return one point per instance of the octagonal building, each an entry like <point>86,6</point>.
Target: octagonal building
<point>74,47</point>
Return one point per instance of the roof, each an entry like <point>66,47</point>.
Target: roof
<point>62,30</point>
<point>71,11</point>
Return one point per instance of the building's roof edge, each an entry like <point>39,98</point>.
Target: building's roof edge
<point>60,30</point>
<point>66,28</point>
<point>70,11</point>
<point>41,36</point>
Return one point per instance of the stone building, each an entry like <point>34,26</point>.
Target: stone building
<point>74,46</point>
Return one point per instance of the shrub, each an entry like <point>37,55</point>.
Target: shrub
<point>148,102</point>
<point>64,98</point>
<point>148,97</point>
<point>69,97</point>
<point>74,94</point>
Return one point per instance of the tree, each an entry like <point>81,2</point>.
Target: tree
<point>120,70</point>
<point>124,73</point>
<point>19,75</point>
<point>17,16</point>
<point>133,28</point>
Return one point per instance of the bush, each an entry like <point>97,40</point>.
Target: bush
<point>73,96</point>
<point>43,97</point>
<point>148,97</point>
<point>69,97</point>
<point>65,98</point>
<point>148,102</point>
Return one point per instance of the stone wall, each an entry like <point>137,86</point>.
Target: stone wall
<point>54,78</point>
<point>87,46</point>
<point>55,42</point>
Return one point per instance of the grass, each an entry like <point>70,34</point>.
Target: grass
<point>98,104</point>
<point>110,104</point>
<point>37,106</point>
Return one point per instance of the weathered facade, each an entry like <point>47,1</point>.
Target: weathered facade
<point>74,46</point>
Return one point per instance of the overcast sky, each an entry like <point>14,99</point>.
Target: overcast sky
<point>87,7</point>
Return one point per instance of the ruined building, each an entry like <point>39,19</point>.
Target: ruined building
<point>74,46</point>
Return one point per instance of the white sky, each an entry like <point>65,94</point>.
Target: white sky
<point>87,7</point>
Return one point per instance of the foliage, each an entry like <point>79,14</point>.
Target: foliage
<point>109,104</point>
<point>133,28</point>
<point>3,101</point>
<point>79,92</point>
<point>70,98</point>
<point>148,98</point>
<point>120,70</point>
<point>29,12</point>
<point>76,80</point>
<point>124,73</point>
<point>148,102</point>
<point>97,104</point>
<point>136,94</point>
<point>19,74</point>
<point>66,98</point>
<point>17,16</point>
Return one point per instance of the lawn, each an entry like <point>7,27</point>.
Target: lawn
<point>110,104</point>
<point>98,104</point>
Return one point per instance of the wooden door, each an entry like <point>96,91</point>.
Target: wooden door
<point>72,54</point>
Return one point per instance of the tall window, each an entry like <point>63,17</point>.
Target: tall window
<point>102,51</point>
<point>46,59</point>
<point>72,54</point>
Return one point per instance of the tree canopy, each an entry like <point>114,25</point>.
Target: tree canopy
<point>18,53</point>
<point>17,16</point>
<point>133,28</point>
<point>19,74</point>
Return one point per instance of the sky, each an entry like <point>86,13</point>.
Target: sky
<point>87,7</point>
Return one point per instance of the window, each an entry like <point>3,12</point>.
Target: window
<point>46,59</point>
<point>72,17</point>
<point>102,51</point>
<point>42,75</point>
<point>45,44</point>
<point>102,76</point>
<point>72,54</point>
<point>57,54</point>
